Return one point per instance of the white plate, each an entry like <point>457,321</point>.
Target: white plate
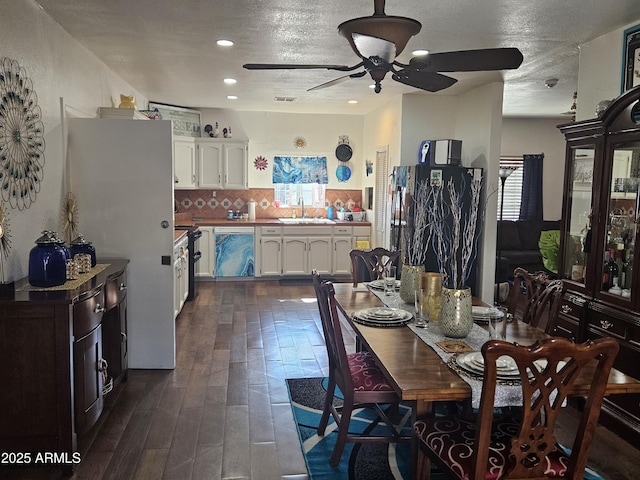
<point>379,284</point>
<point>383,314</point>
<point>486,312</point>
<point>470,363</point>
<point>504,364</point>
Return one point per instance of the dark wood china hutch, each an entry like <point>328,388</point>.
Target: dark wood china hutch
<point>599,250</point>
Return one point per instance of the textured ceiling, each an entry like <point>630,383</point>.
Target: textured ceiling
<point>167,49</point>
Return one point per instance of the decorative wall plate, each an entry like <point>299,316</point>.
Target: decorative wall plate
<point>21,137</point>
<point>260,163</point>
<point>299,142</point>
<point>344,152</point>
<point>343,173</point>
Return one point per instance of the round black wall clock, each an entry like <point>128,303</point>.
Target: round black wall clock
<point>21,137</point>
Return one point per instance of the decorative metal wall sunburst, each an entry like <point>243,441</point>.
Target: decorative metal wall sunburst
<point>21,137</point>
<point>70,216</point>
<point>5,239</point>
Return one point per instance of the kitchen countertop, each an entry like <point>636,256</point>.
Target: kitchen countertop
<point>258,222</point>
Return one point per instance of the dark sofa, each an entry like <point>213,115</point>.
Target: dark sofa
<point>518,245</point>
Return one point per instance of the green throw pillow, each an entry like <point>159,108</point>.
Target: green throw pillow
<point>549,244</point>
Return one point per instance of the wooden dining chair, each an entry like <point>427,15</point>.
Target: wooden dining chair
<point>523,446</point>
<point>367,265</point>
<point>535,297</point>
<point>360,380</point>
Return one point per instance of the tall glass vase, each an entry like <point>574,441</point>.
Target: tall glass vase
<point>410,281</point>
<point>456,317</point>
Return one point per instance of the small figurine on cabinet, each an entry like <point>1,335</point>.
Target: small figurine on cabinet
<point>229,133</point>
<point>127,101</point>
<point>215,131</point>
<point>224,132</point>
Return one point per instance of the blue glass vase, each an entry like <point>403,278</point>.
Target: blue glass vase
<point>47,262</point>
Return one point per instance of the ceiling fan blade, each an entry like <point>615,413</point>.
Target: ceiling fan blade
<point>369,46</point>
<point>469,60</point>
<point>290,66</point>
<point>429,81</point>
<point>338,80</point>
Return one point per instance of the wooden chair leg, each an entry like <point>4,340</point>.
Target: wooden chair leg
<point>328,402</point>
<point>343,430</point>
<point>422,465</point>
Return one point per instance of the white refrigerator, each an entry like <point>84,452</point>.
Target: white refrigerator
<point>121,172</point>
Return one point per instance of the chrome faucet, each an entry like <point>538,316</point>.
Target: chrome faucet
<point>302,212</point>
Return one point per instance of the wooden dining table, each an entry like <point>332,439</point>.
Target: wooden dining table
<point>420,375</point>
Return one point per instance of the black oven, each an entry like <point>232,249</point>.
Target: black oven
<point>193,234</point>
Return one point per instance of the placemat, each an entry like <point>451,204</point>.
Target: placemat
<point>454,346</point>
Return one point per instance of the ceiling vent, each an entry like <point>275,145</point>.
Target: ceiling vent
<point>285,99</point>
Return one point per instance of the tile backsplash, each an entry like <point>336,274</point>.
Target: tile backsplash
<point>215,203</point>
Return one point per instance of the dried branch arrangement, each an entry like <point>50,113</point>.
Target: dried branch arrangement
<point>417,232</point>
<point>453,229</point>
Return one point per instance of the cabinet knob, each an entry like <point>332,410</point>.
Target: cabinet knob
<point>565,309</point>
<point>99,309</point>
<point>123,287</point>
<point>605,324</point>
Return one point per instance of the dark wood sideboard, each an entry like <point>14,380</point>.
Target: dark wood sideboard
<point>53,348</point>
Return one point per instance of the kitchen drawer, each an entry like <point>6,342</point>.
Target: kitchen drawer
<point>87,313</point>
<point>342,230</point>
<point>115,290</point>
<point>362,231</point>
<point>271,230</point>
<point>565,327</point>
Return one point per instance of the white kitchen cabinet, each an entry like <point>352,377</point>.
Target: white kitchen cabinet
<point>184,158</point>
<point>269,251</point>
<point>181,275</point>
<point>342,244</point>
<point>307,248</point>
<point>222,163</point>
<point>319,254</point>
<point>206,265</point>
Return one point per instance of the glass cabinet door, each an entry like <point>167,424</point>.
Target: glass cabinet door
<point>622,211</point>
<point>578,236</point>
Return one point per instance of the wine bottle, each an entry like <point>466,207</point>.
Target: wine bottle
<point>610,271</point>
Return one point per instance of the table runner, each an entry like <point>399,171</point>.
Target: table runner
<point>506,395</point>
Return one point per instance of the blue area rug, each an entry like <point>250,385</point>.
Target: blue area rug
<point>373,461</point>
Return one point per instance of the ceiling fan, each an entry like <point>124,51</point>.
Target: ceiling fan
<point>380,38</point>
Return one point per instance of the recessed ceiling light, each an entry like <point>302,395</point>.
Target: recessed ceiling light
<point>230,81</point>
<point>352,101</point>
<point>225,43</point>
<point>232,97</point>
<point>419,53</point>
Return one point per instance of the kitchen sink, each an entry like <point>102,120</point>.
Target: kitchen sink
<point>306,221</point>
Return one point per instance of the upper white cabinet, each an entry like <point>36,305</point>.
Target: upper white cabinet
<point>222,163</point>
<point>184,157</point>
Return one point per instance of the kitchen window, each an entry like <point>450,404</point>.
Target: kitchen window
<point>289,194</point>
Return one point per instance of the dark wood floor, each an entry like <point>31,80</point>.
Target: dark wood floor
<point>224,413</point>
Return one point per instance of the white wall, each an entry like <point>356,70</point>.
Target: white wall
<point>479,126</point>
<point>600,73</point>
<point>58,67</point>
<point>539,135</point>
<point>382,129</point>
<point>272,134</point>
<point>426,117</point>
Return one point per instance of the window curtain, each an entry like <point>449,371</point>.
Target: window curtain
<point>300,170</point>
<point>531,205</point>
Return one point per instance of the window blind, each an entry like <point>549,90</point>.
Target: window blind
<point>512,189</point>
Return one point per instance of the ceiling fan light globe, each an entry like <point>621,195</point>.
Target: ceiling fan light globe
<point>397,30</point>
